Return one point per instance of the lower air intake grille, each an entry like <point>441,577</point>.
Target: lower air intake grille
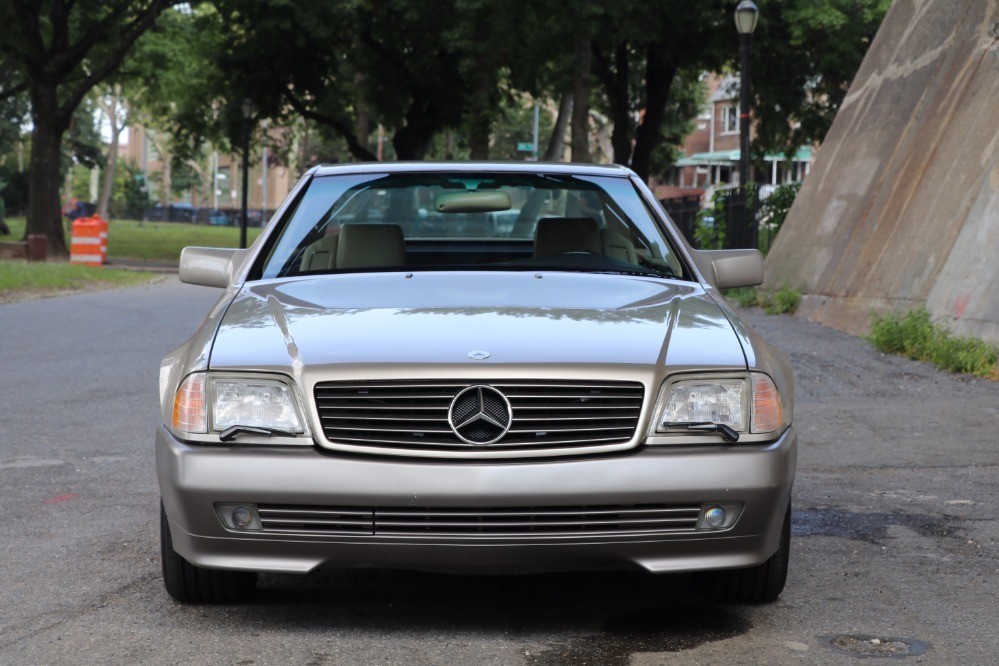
<point>522,522</point>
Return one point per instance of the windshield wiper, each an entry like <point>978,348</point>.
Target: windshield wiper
<point>230,434</point>
<point>725,431</point>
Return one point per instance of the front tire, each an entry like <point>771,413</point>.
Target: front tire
<point>755,585</point>
<point>191,584</point>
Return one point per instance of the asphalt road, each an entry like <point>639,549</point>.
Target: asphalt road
<point>895,527</point>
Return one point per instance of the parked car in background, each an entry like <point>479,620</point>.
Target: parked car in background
<point>393,378</point>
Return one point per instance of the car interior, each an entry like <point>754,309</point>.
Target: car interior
<point>435,225</point>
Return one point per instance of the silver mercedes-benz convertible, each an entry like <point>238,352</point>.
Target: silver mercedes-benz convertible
<point>474,367</point>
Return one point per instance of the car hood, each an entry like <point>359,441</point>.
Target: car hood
<point>440,317</point>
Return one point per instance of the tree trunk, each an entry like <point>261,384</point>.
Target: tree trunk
<point>44,216</point>
<point>581,99</point>
<point>620,115</point>
<point>412,141</point>
<point>113,109</point>
<point>104,202</point>
<point>556,145</point>
<point>166,164</point>
<point>478,137</point>
<point>659,75</point>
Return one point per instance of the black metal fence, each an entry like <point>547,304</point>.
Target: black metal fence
<point>683,211</point>
<point>741,229</point>
<point>733,208</point>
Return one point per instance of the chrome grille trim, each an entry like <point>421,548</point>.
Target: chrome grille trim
<point>565,416</point>
<point>481,522</point>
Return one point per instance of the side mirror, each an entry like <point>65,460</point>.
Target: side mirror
<point>732,268</point>
<point>210,266</point>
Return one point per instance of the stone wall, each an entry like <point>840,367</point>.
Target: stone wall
<point>901,208</point>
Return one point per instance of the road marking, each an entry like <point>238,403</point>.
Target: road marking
<point>61,498</point>
<point>31,462</point>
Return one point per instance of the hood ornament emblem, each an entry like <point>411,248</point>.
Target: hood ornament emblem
<point>479,355</point>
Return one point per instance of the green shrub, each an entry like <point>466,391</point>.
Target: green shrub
<point>916,336</point>
<point>783,301</point>
<point>745,297</point>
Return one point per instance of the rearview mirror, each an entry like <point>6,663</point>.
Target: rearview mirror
<point>209,266</point>
<point>472,202</point>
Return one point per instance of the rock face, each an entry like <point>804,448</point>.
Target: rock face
<point>901,208</point>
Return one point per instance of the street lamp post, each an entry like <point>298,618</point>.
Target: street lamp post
<point>247,109</point>
<point>746,14</point>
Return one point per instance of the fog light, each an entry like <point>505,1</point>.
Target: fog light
<point>714,517</point>
<point>242,518</point>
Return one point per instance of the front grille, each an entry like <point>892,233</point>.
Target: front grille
<point>523,522</point>
<point>554,414</point>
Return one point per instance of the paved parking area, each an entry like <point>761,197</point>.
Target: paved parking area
<point>894,548</point>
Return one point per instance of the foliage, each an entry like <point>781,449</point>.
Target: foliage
<point>82,144</point>
<point>916,336</point>
<point>13,189</point>
<point>515,124</point>
<point>711,224</point>
<point>163,241</point>
<point>805,54</point>
<point>639,49</point>
<point>131,198</point>
<point>745,297</point>
<point>21,279</point>
<point>773,211</point>
<point>57,52</point>
<point>783,301</point>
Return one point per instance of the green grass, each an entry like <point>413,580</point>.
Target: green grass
<point>915,335</point>
<point>21,279</point>
<point>155,241</point>
<point>783,301</point>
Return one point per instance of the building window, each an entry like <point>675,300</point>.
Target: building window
<point>730,119</point>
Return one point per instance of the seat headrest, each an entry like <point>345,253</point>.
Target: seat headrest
<point>364,245</point>
<point>557,235</point>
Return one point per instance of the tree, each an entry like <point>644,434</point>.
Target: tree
<point>57,51</point>
<point>113,105</point>
<point>813,49</point>
<point>637,55</point>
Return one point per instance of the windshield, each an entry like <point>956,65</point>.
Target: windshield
<point>464,221</point>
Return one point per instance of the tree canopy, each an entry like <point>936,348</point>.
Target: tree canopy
<point>442,78</point>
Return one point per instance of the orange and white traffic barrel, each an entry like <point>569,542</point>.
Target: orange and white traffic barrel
<point>90,240</point>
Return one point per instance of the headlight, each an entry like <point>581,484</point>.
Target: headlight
<point>747,404</point>
<point>706,401</point>
<point>208,404</point>
<point>257,403</point>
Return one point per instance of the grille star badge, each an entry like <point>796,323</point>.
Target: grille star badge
<point>480,415</point>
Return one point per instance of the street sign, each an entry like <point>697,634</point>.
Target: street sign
<point>525,147</point>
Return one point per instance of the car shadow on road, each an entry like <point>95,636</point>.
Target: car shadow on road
<point>605,617</point>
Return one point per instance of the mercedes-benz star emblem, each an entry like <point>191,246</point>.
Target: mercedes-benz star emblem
<point>480,415</point>
<point>478,355</point>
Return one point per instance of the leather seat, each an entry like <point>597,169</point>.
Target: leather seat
<point>371,246</point>
<point>558,235</point>
<point>321,255</point>
<point>617,246</point>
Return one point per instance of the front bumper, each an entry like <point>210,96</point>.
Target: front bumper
<point>193,478</point>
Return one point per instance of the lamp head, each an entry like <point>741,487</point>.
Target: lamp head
<point>746,14</point>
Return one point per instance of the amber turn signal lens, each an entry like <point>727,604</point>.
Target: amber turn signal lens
<point>767,415</point>
<point>189,413</point>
